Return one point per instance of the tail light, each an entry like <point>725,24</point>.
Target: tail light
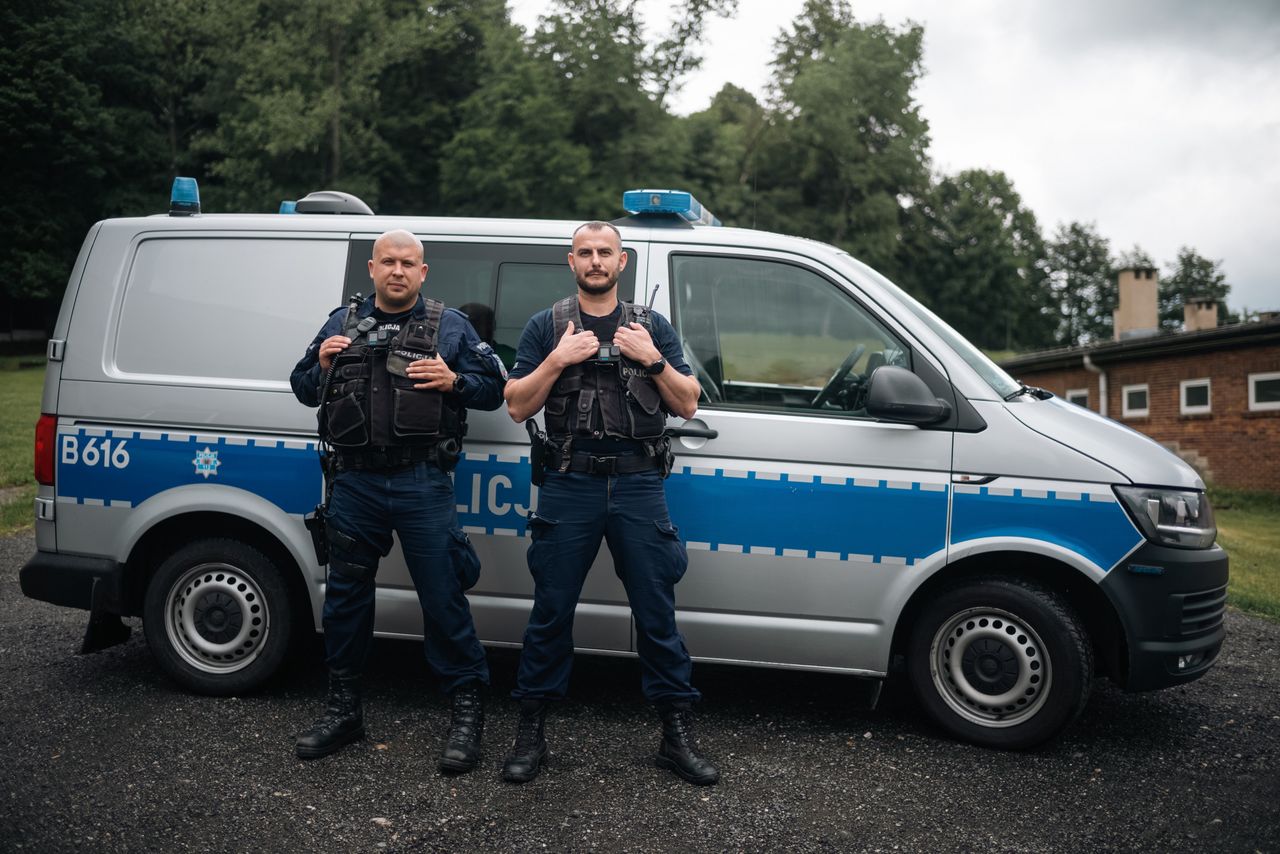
<point>46,438</point>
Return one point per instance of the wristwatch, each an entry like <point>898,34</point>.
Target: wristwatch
<point>458,384</point>
<point>657,367</point>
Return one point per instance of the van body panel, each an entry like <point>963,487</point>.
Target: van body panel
<point>1137,457</point>
<point>1008,447</point>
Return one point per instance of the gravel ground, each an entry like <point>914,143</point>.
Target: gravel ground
<point>102,751</point>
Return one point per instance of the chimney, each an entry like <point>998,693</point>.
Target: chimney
<point>1200,313</point>
<point>1137,315</point>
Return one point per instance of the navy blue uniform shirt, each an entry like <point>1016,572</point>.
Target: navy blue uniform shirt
<point>539,339</point>
<point>457,344</point>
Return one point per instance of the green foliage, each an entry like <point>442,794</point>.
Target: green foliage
<point>20,390</point>
<point>851,144</point>
<point>1080,278</point>
<point>974,254</point>
<point>1136,258</point>
<point>1191,277</point>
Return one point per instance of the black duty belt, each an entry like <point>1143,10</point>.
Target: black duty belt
<point>385,458</point>
<point>592,464</point>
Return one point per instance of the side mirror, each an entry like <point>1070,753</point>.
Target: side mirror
<point>896,394</point>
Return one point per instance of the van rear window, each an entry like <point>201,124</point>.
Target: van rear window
<point>217,308</point>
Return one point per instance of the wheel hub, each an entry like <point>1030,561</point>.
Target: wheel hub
<point>216,618</point>
<point>990,667</point>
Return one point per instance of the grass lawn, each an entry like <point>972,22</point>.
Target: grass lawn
<point>20,389</point>
<point>1249,529</point>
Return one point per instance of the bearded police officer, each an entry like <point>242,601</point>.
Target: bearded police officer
<point>606,373</point>
<point>397,373</point>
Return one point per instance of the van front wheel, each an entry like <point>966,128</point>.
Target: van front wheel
<point>217,617</point>
<point>1001,662</point>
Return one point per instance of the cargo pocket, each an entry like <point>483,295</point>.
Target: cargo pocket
<point>465,561</point>
<point>414,412</point>
<point>540,530</point>
<point>650,422</point>
<point>678,558</point>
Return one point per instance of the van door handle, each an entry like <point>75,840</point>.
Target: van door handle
<point>694,432</point>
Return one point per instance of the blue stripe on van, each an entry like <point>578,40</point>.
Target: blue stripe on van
<point>1094,526</point>
<point>802,515</point>
<point>284,473</point>
<point>789,515</point>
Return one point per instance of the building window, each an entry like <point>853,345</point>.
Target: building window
<point>1193,397</point>
<point>1135,401</point>
<point>1078,396</point>
<point>1264,392</point>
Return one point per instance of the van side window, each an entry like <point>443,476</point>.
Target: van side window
<point>498,285</point>
<point>769,335</point>
<point>201,307</point>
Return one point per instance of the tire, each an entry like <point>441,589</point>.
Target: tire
<point>1000,662</point>
<point>217,617</point>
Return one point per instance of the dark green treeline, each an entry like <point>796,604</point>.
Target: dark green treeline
<point>448,108</point>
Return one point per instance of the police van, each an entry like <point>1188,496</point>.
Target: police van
<point>861,490</point>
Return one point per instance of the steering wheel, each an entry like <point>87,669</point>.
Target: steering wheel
<point>832,384</point>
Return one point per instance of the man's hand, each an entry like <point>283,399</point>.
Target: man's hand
<point>634,342</point>
<point>431,373</point>
<point>573,349</point>
<point>330,347</point>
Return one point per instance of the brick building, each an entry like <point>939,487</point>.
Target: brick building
<point>1211,394</point>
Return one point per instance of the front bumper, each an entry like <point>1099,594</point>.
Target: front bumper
<point>74,581</point>
<point>1171,604</point>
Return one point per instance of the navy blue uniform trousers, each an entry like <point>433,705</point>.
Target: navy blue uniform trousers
<point>575,512</point>
<point>418,503</point>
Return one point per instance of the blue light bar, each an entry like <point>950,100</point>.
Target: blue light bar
<point>677,202</point>
<point>184,198</point>
<point>288,207</point>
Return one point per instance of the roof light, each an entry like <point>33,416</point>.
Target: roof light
<point>677,202</point>
<point>184,198</point>
<point>288,206</point>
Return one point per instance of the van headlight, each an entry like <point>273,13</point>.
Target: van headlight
<point>1170,517</point>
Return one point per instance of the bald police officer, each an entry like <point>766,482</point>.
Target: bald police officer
<point>398,373</point>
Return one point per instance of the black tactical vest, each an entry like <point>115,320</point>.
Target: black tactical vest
<point>599,398</point>
<point>368,406</point>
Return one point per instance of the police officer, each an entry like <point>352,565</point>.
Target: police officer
<point>398,373</point>
<point>606,373</point>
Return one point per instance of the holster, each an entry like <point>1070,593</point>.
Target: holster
<point>316,525</point>
<point>661,448</point>
<point>537,452</point>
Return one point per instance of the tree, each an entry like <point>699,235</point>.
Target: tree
<point>974,254</point>
<point>1136,258</point>
<point>1080,279</point>
<point>724,141</point>
<point>1191,277</point>
<point>851,146</point>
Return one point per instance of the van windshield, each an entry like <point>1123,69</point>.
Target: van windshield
<point>1003,384</point>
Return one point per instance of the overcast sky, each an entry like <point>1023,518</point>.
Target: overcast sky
<point>1158,120</point>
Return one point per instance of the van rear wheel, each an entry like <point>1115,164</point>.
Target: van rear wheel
<point>1001,662</point>
<point>217,617</point>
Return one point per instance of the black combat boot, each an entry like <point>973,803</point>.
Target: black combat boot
<point>530,750</point>
<point>462,746</point>
<point>343,720</point>
<point>677,752</point>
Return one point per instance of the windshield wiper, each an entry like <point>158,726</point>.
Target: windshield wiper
<point>1037,393</point>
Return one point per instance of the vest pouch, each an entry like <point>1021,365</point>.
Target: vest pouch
<point>644,407</point>
<point>415,413</point>
<point>346,422</point>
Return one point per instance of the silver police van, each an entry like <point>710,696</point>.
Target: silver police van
<point>861,491</point>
